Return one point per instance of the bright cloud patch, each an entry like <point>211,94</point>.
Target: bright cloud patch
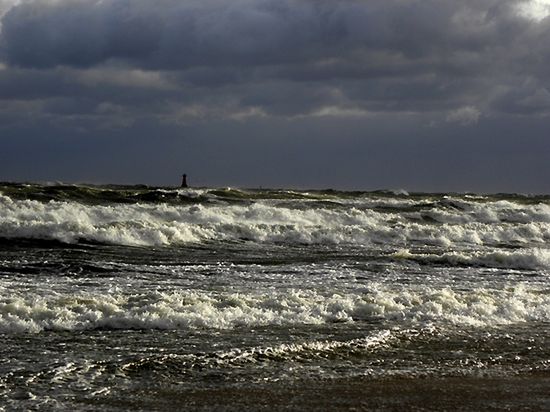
<point>464,116</point>
<point>535,9</point>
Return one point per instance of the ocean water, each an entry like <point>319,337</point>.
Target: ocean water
<point>118,298</point>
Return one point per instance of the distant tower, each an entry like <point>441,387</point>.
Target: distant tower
<point>184,180</point>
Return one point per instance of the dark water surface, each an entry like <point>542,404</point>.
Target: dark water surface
<point>118,298</point>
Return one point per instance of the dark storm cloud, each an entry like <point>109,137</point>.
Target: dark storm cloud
<point>374,55</point>
<point>172,34</point>
<point>309,81</point>
<point>286,57</point>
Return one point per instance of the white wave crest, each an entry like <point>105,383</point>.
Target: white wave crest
<point>528,258</point>
<point>163,224</point>
<point>187,310</point>
<point>268,221</point>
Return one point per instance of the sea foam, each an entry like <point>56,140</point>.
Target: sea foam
<point>303,222</point>
<point>181,309</point>
<point>528,258</point>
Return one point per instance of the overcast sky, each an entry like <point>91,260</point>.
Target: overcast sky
<point>421,95</point>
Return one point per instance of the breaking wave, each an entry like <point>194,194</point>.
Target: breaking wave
<point>192,309</point>
<point>529,258</point>
<point>361,222</point>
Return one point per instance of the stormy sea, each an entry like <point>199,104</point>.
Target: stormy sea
<point>140,298</point>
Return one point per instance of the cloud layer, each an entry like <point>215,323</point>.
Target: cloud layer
<point>281,57</point>
<point>107,64</point>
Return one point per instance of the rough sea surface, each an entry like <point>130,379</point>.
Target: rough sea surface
<point>141,298</point>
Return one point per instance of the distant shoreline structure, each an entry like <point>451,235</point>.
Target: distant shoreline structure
<point>144,186</point>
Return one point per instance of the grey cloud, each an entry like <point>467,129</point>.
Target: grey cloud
<point>529,97</point>
<point>464,116</point>
<point>171,34</point>
<point>120,85</point>
<point>352,93</point>
<point>80,33</point>
<point>275,57</point>
<point>168,34</point>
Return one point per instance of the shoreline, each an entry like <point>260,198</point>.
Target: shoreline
<point>526,393</point>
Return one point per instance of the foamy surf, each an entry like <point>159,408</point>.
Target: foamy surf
<point>112,295</point>
<point>528,258</point>
<point>273,221</point>
<point>195,310</point>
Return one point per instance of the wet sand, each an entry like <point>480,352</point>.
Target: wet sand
<point>530,393</point>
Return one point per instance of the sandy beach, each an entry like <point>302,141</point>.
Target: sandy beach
<point>521,393</point>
